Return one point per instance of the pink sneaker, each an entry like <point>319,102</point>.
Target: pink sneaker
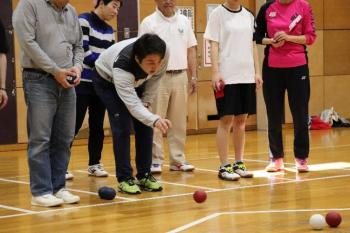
<point>185,167</point>
<point>275,165</point>
<point>301,165</point>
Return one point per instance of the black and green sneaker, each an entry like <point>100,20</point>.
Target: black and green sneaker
<point>149,183</point>
<point>241,170</point>
<point>129,187</point>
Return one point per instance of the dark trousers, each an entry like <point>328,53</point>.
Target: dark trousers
<point>120,121</point>
<point>297,83</point>
<point>87,99</point>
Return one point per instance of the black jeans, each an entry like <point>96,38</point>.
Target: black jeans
<point>120,121</point>
<point>297,83</point>
<point>87,99</point>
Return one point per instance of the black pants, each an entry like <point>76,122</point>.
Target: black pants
<point>87,99</point>
<point>297,83</point>
<point>120,121</point>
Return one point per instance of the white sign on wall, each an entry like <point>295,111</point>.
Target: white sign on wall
<point>206,52</point>
<point>187,11</point>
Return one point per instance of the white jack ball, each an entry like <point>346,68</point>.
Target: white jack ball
<point>317,222</point>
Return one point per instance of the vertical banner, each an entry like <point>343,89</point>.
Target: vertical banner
<point>187,11</point>
<point>206,52</point>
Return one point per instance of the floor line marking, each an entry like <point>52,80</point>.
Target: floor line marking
<point>215,215</point>
<point>194,223</point>
<point>170,183</point>
<point>16,209</point>
<point>175,195</point>
<point>70,189</point>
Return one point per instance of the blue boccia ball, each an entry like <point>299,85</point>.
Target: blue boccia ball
<point>107,193</point>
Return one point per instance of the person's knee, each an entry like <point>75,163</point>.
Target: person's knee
<point>226,122</point>
<point>239,124</point>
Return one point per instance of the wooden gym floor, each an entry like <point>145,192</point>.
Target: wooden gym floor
<point>270,202</point>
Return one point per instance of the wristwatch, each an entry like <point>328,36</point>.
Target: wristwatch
<point>146,104</point>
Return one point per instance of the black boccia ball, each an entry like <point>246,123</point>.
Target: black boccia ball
<point>106,193</point>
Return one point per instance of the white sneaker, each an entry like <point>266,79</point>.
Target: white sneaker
<point>97,170</point>
<point>185,167</point>
<point>69,175</point>
<point>156,168</point>
<point>47,200</point>
<point>67,197</point>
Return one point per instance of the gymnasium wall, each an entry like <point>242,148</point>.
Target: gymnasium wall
<point>329,63</point>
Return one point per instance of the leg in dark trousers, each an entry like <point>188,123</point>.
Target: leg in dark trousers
<point>119,118</point>
<point>298,87</point>
<point>96,134</point>
<point>81,107</point>
<point>143,142</point>
<point>87,99</point>
<point>274,91</point>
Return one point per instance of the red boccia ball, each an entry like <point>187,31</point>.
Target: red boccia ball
<point>199,196</point>
<point>333,219</point>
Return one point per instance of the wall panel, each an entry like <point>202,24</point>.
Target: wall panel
<point>316,54</point>
<point>336,94</point>
<point>337,52</point>
<point>204,73</point>
<point>192,112</point>
<point>336,14</point>
<point>21,117</point>
<point>206,105</point>
<point>318,11</point>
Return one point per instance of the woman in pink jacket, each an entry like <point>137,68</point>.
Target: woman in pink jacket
<point>286,27</point>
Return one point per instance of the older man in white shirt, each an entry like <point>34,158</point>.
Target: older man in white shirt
<point>175,29</point>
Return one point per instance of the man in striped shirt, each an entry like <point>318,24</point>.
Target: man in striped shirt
<point>97,36</point>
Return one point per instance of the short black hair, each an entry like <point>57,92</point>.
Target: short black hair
<point>149,44</point>
<point>105,2</point>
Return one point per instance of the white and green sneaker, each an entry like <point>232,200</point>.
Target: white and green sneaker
<point>240,169</point>
<point>226,173</point>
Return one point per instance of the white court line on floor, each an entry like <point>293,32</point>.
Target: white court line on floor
<point>194,223</point>
<point>96,194</point>
<point>170,196</point>
<point>257,173</point>
<point>215,215</point>
<point>70,189</point>
<point>166,182</point>
<point>282,182</point>
<point>95,205</point>
<point>14,181</point>
<point>17,209</point>
<point>190,186</point>
<point>232,158</point>
<point>262,153</point>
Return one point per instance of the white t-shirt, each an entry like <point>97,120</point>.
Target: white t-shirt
<point>177,33</point>
<point>233,30</point>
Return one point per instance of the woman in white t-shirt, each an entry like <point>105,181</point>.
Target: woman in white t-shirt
<point>235,77</point>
